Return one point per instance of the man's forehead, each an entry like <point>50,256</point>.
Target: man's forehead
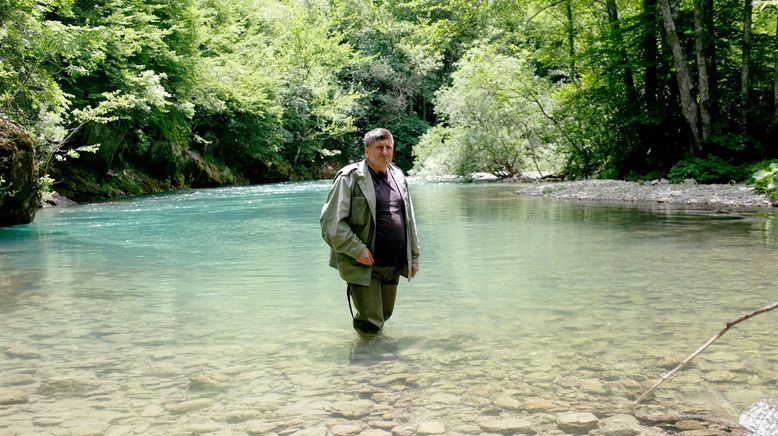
<point>382,143</point>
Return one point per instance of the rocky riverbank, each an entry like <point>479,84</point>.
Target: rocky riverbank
<point>689,193</point>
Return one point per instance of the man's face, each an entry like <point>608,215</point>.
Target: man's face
<point>379,154</point>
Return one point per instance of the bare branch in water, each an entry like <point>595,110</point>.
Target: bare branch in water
<point>706,345</point>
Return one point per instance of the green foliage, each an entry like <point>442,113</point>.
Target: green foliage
<point>765,178</point>
<point>237,109</point>
<point>277,90</point>
<point>711,169</point>
<point>317,110</point>
<point>496,116</point>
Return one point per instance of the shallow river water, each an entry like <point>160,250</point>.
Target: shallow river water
<point>215,311</point>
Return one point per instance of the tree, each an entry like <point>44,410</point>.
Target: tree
<point>745,63</point>
<point>496,116</point>
<point>702,69</point>
<point>318,110</point>
<point>688,104</point>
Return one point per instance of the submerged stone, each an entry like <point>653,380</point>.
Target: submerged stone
<point>620,425</point>
<point>152,410</point>
<point>22,352</point>
<point>538,404</point>
<point>690,424</point>
<point>507,403</point>
<point>431,427</point>
<point>258,427</point>
<point>508,425</point>
<point>378,432</point>
<point>314,431</point>
<point>351,409</point>
<point>207,381</point>
<point>576,422</point>
<point>13,396</point>
<point>346,429</point>
<point>237,416</point>
<point>190,406</point>
<point>16,380</point>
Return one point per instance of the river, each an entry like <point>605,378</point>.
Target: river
<point>215,310</point>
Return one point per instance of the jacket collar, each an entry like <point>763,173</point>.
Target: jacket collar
<point>364,171</point>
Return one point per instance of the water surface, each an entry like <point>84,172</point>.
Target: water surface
<point>215,309</point>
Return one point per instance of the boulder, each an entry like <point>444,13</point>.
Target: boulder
<point>620,425</point>
<point>431,427</point>
<point>576,422</point>
<point>19,188</point>
<point>204,173</point>
<point>13,396</point>
<point>507,425</point>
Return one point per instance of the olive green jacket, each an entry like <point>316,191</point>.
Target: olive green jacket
<point>348,221</point>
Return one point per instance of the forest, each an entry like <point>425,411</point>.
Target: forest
<point>134,96</point>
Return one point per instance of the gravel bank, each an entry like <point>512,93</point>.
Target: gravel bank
<point>658,191</point>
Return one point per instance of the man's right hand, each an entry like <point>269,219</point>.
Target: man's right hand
<point>366,257</point>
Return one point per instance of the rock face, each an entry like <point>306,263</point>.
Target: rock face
<point>19,190</point>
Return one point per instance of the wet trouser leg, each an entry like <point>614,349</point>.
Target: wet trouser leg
<point>375,303</point>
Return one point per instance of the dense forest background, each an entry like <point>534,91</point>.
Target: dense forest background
<point>132,96</point>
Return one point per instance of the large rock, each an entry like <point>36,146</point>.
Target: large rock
<point>19,189</point>
<point>13,396</point>
<point>576,422</point>
<point>507,425</point>
<point>620,425</point>
<point>200,172</point>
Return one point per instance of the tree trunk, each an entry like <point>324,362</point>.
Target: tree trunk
<point>775,86</point>
<point>571,38</point>
<point>688,104</point>
<point>702,69</point>
<point>618,39</point>
<point>709,48</point>
<point>651,78</point>
<point>744,69</point>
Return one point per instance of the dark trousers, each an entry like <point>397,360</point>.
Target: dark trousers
<point>375,303</point>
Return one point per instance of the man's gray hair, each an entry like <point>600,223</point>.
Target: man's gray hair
<point>376,135</point>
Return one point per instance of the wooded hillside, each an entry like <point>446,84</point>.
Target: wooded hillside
<point>132,96</point>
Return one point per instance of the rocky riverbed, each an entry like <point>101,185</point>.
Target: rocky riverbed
<point>658,191</point>
<point>385,390</point>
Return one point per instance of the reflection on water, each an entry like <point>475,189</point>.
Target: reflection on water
<point>215,310</point>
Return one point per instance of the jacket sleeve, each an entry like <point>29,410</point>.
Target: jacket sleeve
<point>414,237</point>
<point>335,228</point>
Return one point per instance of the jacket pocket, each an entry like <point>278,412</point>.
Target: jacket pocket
<point>358,216</point>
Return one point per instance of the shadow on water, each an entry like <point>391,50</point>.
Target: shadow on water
<point>369,349</point>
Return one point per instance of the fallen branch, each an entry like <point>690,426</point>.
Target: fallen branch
<point>707,344</point>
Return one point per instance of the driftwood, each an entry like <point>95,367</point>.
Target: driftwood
<point>706,345</point>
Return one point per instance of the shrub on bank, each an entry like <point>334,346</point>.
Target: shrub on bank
<point>765,177</point>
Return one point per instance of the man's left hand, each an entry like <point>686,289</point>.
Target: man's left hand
<point>414,269</point>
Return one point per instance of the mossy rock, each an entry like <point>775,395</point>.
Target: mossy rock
<point>204,172</point>
<point>19,188</point>
<point>81,183</point>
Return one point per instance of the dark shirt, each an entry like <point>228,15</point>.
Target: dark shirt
<point>390,221</point>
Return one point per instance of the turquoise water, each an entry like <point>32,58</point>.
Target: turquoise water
<point>212,310</point>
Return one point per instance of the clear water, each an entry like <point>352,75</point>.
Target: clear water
<point>215,310</point>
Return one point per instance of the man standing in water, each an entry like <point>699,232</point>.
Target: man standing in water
<point>369,224</point>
